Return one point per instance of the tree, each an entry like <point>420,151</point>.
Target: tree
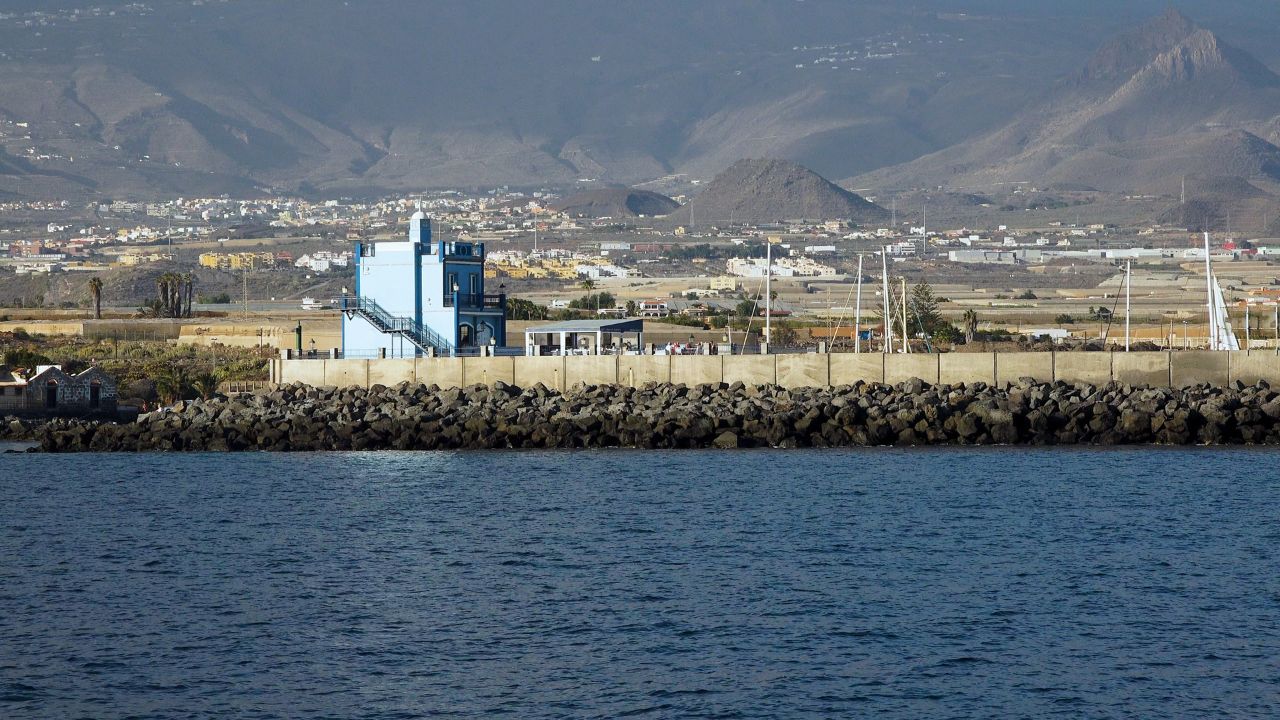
<point>588,285</point>
<point>206,384</point>
<point>924,308</point>
<point>784,335</point>
<point>747,308</point>
<point>970,324</point>
<point>596,301</point>
<point>172,383</point>
<point>190,282</point>
<point>25,359</point>
<point>95,288</point>
<point>632,308</point>
<point>521,309</point>
<point>947,333</point>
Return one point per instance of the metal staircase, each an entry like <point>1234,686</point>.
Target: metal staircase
<point>420,335</point>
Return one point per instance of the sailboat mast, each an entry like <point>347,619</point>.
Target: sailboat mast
<point>857,312</point>
<point>768,277</point>
<point>1128,286</point>
<point>905,332</point>
<point>888,307</point>
<point>1208,279</point>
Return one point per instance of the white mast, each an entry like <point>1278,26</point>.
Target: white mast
<point>906,332</point>
<point>1213,315</point>
<point>857,312</point>
<point>1128,286</point>
<point>768,300</point>
<point>887,346</point>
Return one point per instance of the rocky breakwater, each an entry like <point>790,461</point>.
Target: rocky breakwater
<point>415,417</point>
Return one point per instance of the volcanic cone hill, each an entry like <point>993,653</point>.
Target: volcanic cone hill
<point>618,202</point>
<point>765,191</point>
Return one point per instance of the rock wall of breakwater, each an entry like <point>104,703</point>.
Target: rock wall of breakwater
<point>418,417</point>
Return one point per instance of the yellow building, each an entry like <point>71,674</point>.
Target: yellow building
<point>238,261</point>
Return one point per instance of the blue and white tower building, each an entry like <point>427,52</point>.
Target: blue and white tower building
<point>420,297</point>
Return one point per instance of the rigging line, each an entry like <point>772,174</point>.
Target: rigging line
<point>840,319</point>
<point>927,344</point>
<point>1106,333</point>
<point>755,307</point>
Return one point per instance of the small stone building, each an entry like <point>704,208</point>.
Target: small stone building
<point>12,387</point>
<point>53,391</point>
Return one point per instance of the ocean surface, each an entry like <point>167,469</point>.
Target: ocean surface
<point>948,583</point>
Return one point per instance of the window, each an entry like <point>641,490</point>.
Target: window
<point>465,336</point>
<point>475,284</point>
<point>450,283</point>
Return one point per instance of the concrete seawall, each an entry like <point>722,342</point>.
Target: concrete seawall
<point>1155,369</point>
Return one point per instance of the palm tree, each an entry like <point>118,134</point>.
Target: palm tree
<point>632,308</point>
<point>588,285</point>
<point>95,288</point>
<point>970,319</point>
<point>162,294</point>
<point>190,282</point>
<point>172,384</point>
<point>206,384</point>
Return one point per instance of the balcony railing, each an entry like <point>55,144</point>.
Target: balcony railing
<point>421,335</point>
<point>475,301</point>
<point>462,249</point>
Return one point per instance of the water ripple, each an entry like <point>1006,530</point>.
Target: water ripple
<point>966,583</point>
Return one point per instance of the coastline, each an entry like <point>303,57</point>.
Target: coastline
<point>724,416</point>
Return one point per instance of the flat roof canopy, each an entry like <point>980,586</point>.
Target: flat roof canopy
<point>588,326</point>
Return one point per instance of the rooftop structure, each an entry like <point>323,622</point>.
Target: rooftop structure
<point>585,337</point>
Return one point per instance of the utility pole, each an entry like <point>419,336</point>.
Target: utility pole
<point>245,295</point>
<point>1247,336</point>
<point>857,313</point>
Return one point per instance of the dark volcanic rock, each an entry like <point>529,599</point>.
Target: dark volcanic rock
<point>416,417</point>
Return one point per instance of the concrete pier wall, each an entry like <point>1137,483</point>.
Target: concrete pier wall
<point>1163,369</point>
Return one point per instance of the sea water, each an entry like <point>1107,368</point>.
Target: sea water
<point>853,583</point>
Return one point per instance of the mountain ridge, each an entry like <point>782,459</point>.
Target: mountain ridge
<point>1196,104</point>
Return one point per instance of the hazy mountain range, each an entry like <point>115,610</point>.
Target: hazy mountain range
<point>330,97</point>
<point>1155,107</point>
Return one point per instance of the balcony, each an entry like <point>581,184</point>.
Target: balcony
<point>462,250</point>
<point>469,301</point>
